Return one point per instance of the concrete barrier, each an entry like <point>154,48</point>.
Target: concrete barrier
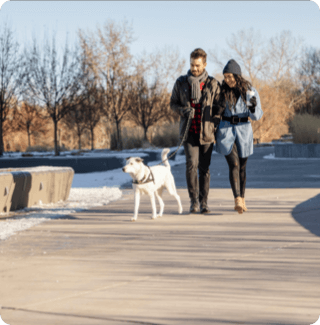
<point>78,164</point>
<point>6,191</point>
<point>293,150</point>
<point>25,187</point>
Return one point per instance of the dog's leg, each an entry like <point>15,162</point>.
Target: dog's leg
<point>136,205</point>
<point>153,205</point>
<point>171,187</point>
<point>161,203</point>
<point>177,197</point>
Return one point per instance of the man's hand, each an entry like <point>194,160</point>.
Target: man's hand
<point>216,121</point>
<point>252,107</point>
<point>187,111</point>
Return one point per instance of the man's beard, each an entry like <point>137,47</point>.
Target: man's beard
<point>197,74</point>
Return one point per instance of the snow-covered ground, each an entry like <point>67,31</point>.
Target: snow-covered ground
<point>272,156</point>
<point>88,190</point>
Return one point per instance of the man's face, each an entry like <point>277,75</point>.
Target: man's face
<point>230,80</point>
<point>197,66</point>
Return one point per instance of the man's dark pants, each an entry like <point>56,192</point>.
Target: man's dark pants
<point>198,157</point>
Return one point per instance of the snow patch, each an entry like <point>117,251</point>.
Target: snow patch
<point>272,156</point>
<point>80,199</point>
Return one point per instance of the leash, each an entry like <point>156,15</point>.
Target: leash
<point>151,177</point>
<point>148,180</point>
<point>181,143</point>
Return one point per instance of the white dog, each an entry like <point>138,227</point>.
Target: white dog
<point>151,181</point>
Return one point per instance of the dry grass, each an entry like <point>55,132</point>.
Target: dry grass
<point>44,148</point>
<point>305,128</point>
<point>132,138</point>
<point>166,136</point>
<point>39,149</point>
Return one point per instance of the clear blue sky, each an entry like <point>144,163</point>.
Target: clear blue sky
<point>182,24</point>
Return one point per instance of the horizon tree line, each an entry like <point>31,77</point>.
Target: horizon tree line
<point>99,77</point>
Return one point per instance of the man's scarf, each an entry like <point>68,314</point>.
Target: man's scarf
<point>195,85</point>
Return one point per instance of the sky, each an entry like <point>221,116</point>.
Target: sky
<point>182,25</point>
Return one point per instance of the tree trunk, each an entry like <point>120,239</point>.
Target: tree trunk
<point>145,133</point>
<point>56,148</point>
<point>79,140</point>
<point>29,136</point>
<point>1,136</point>
<point>92,138</point>
<point>119,141</point>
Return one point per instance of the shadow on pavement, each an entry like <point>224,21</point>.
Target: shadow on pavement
<point>307,214</point>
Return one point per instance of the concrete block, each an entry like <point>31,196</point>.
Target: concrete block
<point>6,191</point>
<point>30,186</point>
<point>298,150</point>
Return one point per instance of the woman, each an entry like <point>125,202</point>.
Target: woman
<point>234,138</point>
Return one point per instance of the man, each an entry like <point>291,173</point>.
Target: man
<point>196,96</point>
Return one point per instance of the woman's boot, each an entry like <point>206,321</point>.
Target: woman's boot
<point>244,205</point>
<point>238,204</point>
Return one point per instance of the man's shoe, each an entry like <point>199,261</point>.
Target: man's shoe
<point>194,207</point>
<point>204,209</point>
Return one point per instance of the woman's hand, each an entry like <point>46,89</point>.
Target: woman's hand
<point>252,107</point>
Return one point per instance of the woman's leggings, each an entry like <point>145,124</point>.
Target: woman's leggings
<point>237,172</point>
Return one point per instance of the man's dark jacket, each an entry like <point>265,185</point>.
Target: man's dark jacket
<point>180,100</point>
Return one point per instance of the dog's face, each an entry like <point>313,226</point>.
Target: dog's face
<point>133,165</point>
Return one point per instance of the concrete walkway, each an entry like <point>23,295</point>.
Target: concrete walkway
<point>97,267</point>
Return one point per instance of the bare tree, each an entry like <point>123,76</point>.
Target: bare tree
<point>109,58</point>
<point>86,114</point>
<point>147,105</point>
<point>247,47</point>
<point>11,76</point>
<point>164,66</point>
<point>276,113</point>
<point>55,80</point>
<point>93,105</point>
<point>29,118</point>
<point>282,55</point>
<point>270,66</point>
<point>76,120</point>
<point>154,75</point>
<point>262,60</point>
<point>309,77</point>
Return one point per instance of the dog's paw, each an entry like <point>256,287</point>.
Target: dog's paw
<point>134,218</point>
<point>159,215</point>
<point>180,211</point>
<point>154,217</point>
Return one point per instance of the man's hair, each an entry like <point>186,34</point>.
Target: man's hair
<point>199,53</point>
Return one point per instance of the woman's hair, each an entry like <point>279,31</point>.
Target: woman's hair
<point>231,95</point>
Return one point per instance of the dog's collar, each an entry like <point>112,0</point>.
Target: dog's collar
<point>149,179</point>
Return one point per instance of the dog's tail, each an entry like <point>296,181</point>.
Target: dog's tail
<point>164,155</point>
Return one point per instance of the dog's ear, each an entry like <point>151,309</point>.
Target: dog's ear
<point>139,160</point>
<point>128,158</point>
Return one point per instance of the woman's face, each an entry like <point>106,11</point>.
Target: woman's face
<point>229,79</point>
